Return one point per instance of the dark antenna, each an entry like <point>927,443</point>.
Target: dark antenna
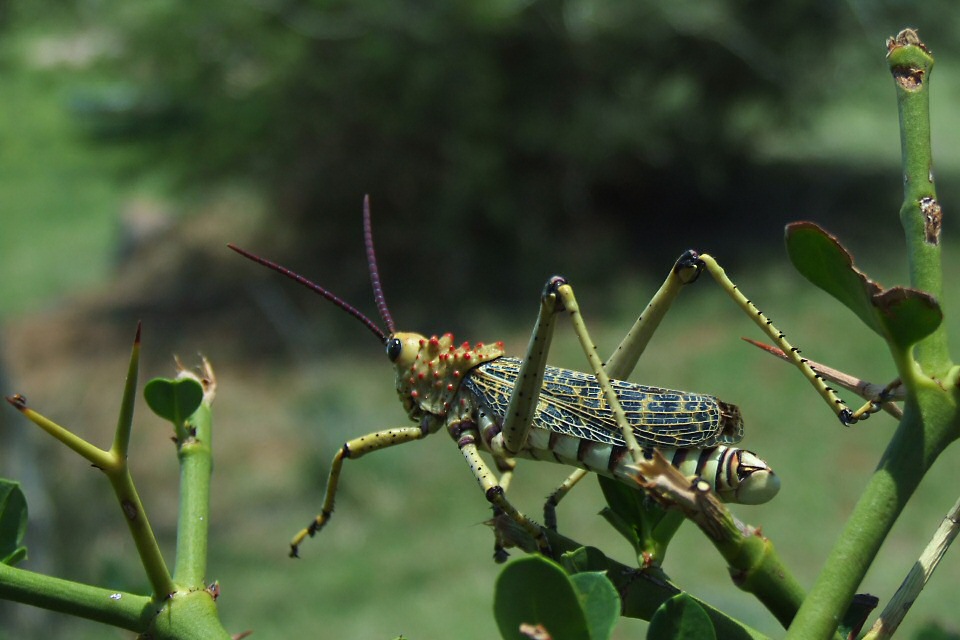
<point>374,272</point>
<point>377,331</point>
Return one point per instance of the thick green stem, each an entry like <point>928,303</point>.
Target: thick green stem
<point>119,609</point>
<point>757,569</point>
<point>920,214</point>
<point>196,465</point>
<point>910,453</point>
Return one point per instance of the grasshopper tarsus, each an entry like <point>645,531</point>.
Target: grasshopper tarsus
<point>688,267</point>
<point>552,285</point>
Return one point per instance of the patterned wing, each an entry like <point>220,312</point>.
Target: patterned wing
<point>571,402</point>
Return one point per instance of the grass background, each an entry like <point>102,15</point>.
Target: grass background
<point>406,552</point>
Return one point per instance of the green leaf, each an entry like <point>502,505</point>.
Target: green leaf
<point>645,524</point>
<point>900,315</point>
<point>536,591</point>
<point>173,400</point>
<point>600,603</point>
<point>13,522</point>
<point>584,559</point>
<point>681,617</point>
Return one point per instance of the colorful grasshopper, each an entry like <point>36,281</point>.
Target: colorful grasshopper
<point>523,408</point>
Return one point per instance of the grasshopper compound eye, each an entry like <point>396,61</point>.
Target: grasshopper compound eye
<point>394,347</point>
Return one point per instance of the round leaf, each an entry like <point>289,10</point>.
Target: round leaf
<point>173,400</point>
<point>600,603</point>
<point>679,618</point>
<point>536,591</point>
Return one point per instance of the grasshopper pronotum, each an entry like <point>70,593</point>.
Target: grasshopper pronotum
<point>523,408</point>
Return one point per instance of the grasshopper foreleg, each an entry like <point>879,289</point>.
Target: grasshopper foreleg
<point>624,359</point>
<point>351,450</point>
<point>526,391</point>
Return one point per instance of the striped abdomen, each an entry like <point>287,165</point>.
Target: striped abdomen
<point>737,475</point>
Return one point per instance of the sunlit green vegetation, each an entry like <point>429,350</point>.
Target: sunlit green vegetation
<point>407,551</point>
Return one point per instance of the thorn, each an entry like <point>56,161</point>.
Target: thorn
<point>136,340</point>
<point>18,401</point>
<point>766,347</point>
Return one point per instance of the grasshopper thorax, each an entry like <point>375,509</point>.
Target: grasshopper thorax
<point>430,370</point>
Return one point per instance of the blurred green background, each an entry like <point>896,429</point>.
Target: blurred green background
<point>501,142</point>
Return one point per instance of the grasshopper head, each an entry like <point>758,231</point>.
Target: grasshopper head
<point>429,370</point>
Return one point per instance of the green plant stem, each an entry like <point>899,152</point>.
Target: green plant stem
<point>184,615</point>
<point>756,568</point>
<point>930,421</point>
<point>118,473</point>
<point>928,426</point>
<point>115,467</point>
<point>93,454</point>
<point>141,531</point>
<point>752,560</point>
<point>196,466</point>
<point>920,213</point>
<point>124,610</point>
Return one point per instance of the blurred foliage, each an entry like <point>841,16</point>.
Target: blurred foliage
<point>511,130</point>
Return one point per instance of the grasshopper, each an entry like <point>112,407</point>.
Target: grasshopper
<point>594,421</point>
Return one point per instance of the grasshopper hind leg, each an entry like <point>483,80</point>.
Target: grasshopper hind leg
<point>847,416</point>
